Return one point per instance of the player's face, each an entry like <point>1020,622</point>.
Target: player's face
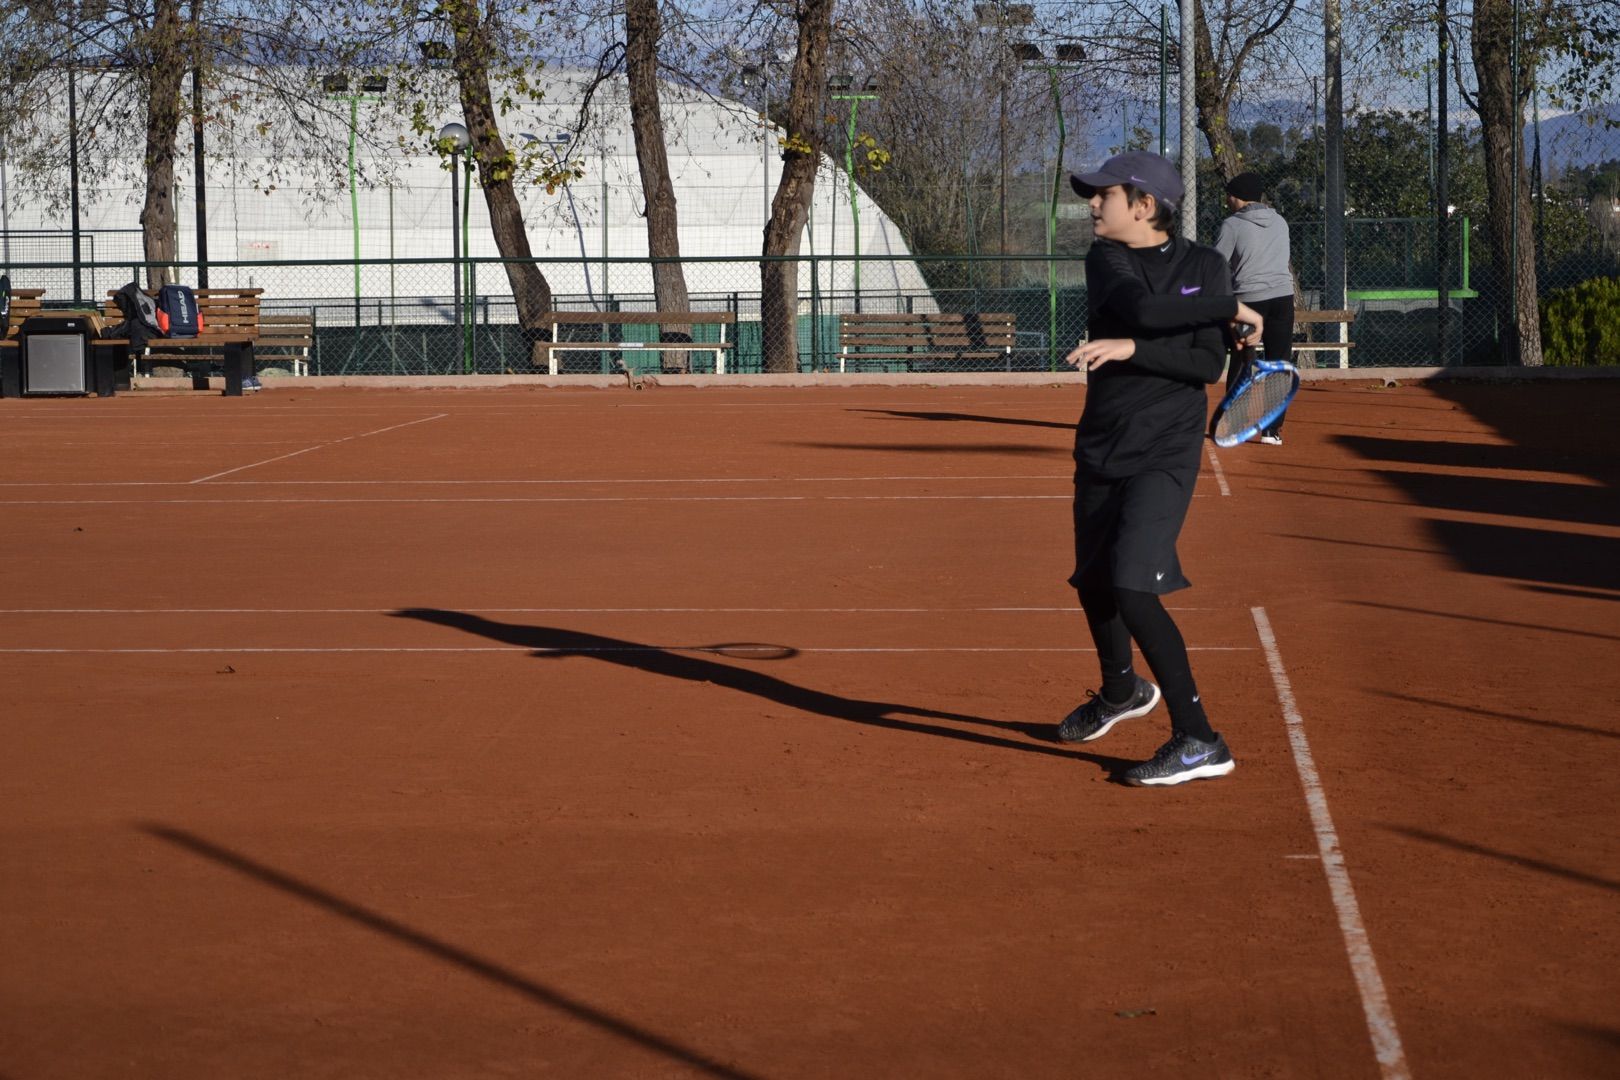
<point>1114,218</point>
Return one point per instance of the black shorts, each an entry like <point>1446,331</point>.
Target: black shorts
<point>1125,530</point>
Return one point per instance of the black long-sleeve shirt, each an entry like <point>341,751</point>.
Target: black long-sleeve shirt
<point>1149,412</point>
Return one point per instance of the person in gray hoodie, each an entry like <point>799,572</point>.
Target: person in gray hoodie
<point>1254,239</point>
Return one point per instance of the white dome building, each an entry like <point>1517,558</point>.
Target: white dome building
<point>399,224</point>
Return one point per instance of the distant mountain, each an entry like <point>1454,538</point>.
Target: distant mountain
<point>1588,137</point>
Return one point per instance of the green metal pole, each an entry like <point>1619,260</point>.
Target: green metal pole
<point>466,292</point>
<point>849,173</point>
<point>354,205</point>
<point>1051,226</point>
<point>854,205</point>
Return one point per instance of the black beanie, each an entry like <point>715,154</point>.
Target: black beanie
<point>1246,186</point>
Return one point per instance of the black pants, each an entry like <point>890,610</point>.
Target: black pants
<point>1276,343</point>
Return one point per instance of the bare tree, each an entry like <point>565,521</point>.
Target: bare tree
<point>790,208</point>
<point>1572,38</point>
<point>474,49</point>
<point>642,32</point>
<point>1218,65</point>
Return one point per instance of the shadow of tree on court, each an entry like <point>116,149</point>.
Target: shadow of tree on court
<point>1525,861</point>
<point>441,950</point>
<point>676,663</point>
<point>971,418</point>
<point>1549,428</point>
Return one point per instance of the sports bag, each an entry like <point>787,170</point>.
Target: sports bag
<point>177,314</point>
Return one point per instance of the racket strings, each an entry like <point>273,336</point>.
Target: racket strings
<point>1257,402</point>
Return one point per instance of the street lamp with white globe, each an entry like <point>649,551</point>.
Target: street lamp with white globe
<point>453,139</point>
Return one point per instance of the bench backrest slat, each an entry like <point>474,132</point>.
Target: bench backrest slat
<point>943,330</point>
<point>639,318</point>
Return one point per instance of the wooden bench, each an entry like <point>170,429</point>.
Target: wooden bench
<point>1337,321</point>
<point>545,352</point>
<point>924,342</point>
<point>288,338</point>
<point>230,328</point>
<point>24,302</point>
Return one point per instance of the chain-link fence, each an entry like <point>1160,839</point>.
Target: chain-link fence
<point>918,314</point>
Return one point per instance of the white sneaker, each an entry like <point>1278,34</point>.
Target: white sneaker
<point>1271,440</point>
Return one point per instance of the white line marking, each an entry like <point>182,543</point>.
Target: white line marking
<point>1220,473</point>
<point>1066,477</point>
<point>1386,1039</point>
<point>594,649</point>
<point>541,499</point>
<point>319,446</point>
<point>1071,610</point>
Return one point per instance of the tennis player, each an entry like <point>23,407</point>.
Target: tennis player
<point>1159,312</point>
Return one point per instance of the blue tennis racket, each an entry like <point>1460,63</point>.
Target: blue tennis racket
<point>1256,402</point>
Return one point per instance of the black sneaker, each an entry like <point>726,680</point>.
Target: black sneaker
<point>1181,759</point>
<point>1094,716</point>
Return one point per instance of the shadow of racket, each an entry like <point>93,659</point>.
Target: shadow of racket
<point>744,650</point>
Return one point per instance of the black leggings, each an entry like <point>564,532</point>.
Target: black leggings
<point>1116,616</point>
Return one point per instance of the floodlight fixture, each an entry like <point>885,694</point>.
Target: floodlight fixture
<point>1070,52</point>
<point>335,84</point>
<point>374,84</point>
<point>1026,52</point>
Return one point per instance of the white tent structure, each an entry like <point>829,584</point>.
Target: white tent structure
<point>724,160</point>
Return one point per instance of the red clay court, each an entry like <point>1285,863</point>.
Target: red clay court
<point>591,733</point>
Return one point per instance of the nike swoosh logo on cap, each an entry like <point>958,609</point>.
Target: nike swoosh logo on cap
<point>1188,290</point>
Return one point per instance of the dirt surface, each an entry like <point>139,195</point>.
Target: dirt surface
<point>708,733</point>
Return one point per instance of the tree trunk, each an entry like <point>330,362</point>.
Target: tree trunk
<point>790,209</point>
<point>166,60</point>
<point>495,164</point>
<point>642,31</point>
<point>1501,115</point>
<point>1213,100</point>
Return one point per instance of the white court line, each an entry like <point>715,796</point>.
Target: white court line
<point>1386,1039</point>
<point>319,446</point>
<point>603,649</point>
<point>572,480</point>
<point>547,499</point>
<point>1220,473</point>
<point>1069,610</point>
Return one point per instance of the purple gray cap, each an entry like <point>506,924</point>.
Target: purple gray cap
<point>1145,170</point>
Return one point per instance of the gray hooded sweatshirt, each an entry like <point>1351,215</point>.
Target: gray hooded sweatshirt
<point>1255,242</point>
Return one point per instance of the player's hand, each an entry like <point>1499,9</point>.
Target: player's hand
<point>1094,354</point>
<point>1247,325</point>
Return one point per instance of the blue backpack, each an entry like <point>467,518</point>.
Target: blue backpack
<point>177,311</point>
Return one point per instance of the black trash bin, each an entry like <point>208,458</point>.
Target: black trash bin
<point>54,356</point>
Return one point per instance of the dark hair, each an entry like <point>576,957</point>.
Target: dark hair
<point>1164,215</point>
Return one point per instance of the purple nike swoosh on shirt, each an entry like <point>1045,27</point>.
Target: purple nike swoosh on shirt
<point>1188,290</point>
<point>1185,760</point>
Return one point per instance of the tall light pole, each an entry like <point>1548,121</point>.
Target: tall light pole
<point>73,175</point>
<point>1189,122</point>
<point>337,86</point>
<point>756,77</point>
<point>1333,252</point>
<point>844,91</point>
<point>554,146</point>
<point>1069,55</point>
<point>1001,16</point>
<point>453,140</point>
